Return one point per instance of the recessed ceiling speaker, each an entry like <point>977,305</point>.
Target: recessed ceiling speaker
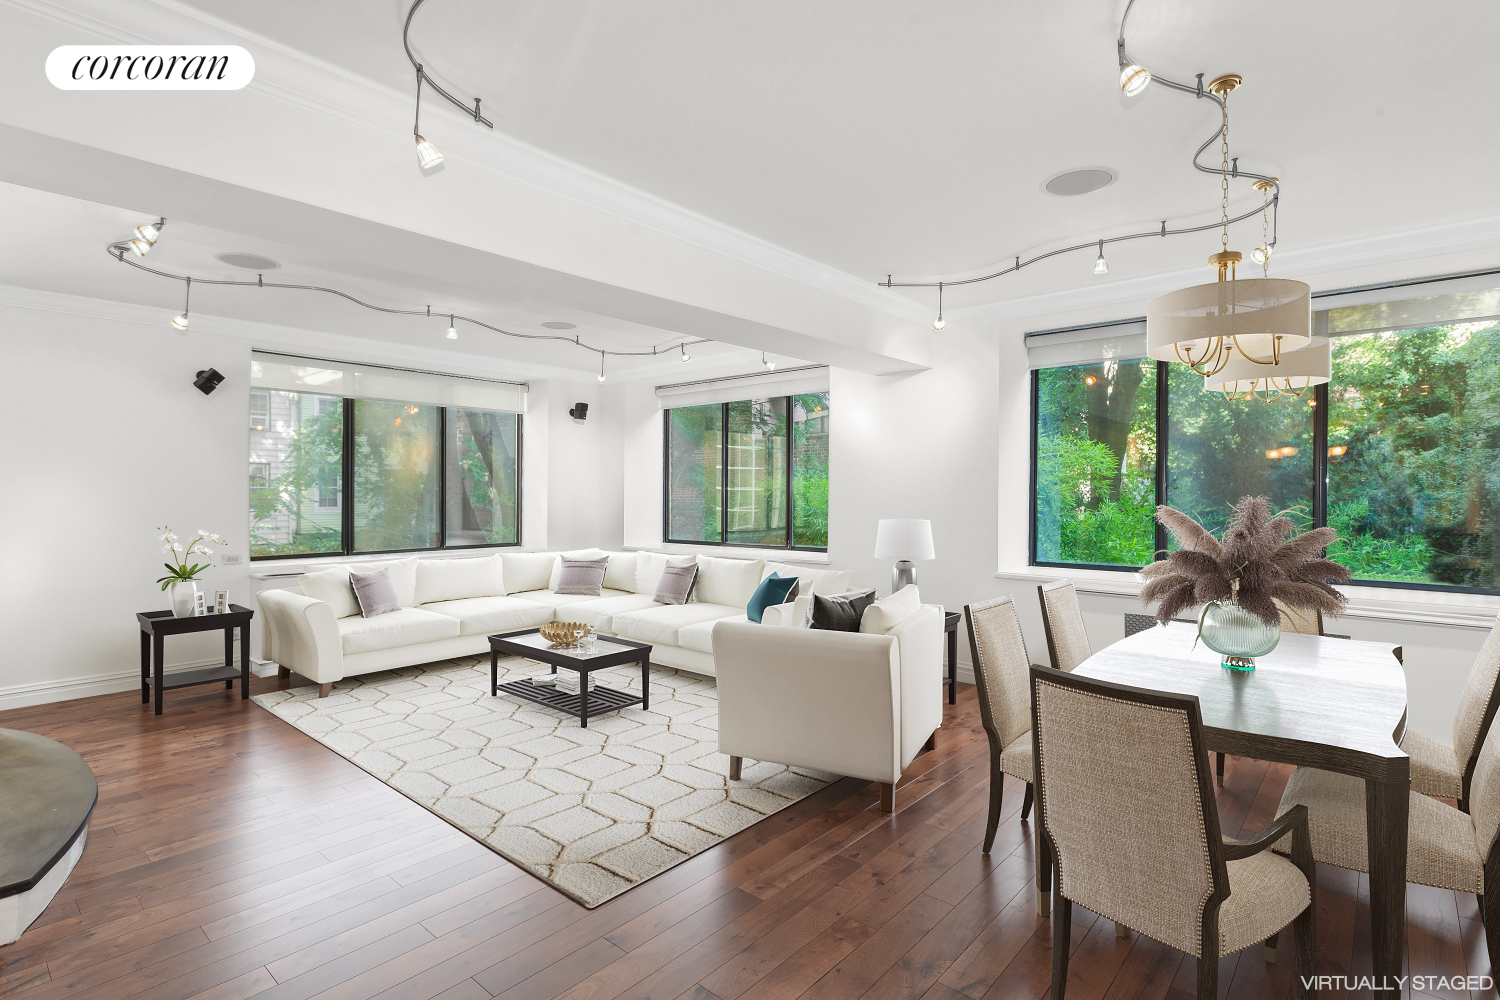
<point>1076,182</point>
<point>208,380</point>
<point>557,324</point>
<point>580,411</point>
<point>249,261</point>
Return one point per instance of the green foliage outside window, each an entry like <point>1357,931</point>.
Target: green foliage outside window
<point>296,456</point>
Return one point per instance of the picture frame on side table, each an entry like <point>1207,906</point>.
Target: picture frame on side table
<point>221,602</point>
<point>199,604</point>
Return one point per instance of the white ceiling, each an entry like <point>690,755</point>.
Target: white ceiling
<point>914,138</point>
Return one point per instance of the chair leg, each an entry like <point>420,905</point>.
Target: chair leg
<point>1026,802</point>
<point>1304,933</point>
<point>887,797</point>
<point>1219,768</point>
<point>1208,977</point>
<point>282,672</point>
<point>1043,874</point>
<point>1271,948</point>
<point>324,690</point>
<point>1062,933</point>
<point>1489,908</point>
<point>735,764</point>
<point>997,791</point>
<point>1121,930</point>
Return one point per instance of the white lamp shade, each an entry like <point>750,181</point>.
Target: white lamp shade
<point>903,538</point>
<point>1254,311</point>
<point>1312,365</point>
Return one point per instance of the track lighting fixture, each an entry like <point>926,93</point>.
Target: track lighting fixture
<point>181,321</point>
<point>1133,79</point>
<point>765,361</point>
<point>452,330</point>
<point>1101,266</point>
<point>145,237</point>
<point>601,366</point>
<point>683,348</point>
<point>428,155</point>
<point>939,323</point>
<point>1260,254</point>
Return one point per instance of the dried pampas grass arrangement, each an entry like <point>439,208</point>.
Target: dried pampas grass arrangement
<point>1255,565</point>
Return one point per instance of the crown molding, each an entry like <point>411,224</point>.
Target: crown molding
<point>330,90</point>
<point>1304,262</point>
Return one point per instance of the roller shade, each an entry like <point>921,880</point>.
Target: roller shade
<point>1468,305</point>
<point>1085,345</point>
<point>791,382</point>
<point>359,381</point>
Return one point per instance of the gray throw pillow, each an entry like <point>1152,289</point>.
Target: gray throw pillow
<point>375,592</point>
<point>838,614</point>
<point>582,576</point>
<point>676,583</point>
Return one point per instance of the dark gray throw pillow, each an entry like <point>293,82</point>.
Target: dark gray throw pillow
<point>582,576</point>
<point>375,592</point>
<point>676,583</point>
<point>838,614</point>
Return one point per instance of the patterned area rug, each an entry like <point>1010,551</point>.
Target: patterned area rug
<point>593,811</point>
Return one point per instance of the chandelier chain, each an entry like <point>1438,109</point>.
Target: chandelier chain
<point>1224,176</point>
<point>1265,238</point>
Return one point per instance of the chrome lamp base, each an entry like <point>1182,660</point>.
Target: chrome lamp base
<point>903,573</point>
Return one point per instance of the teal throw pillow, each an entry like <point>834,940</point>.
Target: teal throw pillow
<point>774,589</point>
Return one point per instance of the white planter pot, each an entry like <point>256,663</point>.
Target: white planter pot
<point>184,596</point>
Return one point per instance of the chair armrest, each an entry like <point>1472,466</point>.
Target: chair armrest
<point>920,640</point>
<point>304,635</point>
<point>1293,821</point>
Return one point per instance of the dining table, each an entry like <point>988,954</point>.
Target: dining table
<point>1313,701</point>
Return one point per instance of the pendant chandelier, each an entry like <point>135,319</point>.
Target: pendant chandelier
<point>1293,375</point>
<point>1253,321</point>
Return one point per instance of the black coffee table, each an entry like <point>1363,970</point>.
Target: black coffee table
<point>605,652</point>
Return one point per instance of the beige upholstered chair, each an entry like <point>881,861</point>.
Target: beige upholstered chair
<point>1000,667</point>
<point>1444,847</point>
<point>1301,621</point>
<point>1138,841</point>
<point>1446,771</point>
<point>1067,641</point>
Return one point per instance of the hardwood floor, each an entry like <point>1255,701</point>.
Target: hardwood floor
<point>231,856</point>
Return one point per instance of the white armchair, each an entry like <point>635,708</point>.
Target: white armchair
<point>859,704</point>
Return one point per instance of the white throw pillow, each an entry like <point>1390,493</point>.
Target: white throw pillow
<point>527,570</point>
<point>730,582</point>
<point>331,586</point>
<point>884,615</point>
<point>814,581</point>
<point>649,567</point>
<point>556,576</point>
<point>403,577</point>
<point>457,579</point>
<point>621,572</point>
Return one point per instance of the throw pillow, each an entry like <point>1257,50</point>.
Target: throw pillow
<point>375,592</point>
<point>582,576</point>
<point>884,615</point>
<point>331,586</point>
<point>774,589</point>
<point>838,614</point>
<point>676,583</point>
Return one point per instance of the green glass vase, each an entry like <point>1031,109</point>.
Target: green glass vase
<point>1236,634</point>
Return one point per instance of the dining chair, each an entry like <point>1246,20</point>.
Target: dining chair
<point>1137,840</point>
<point>1300,620</point>
<point>1447,771</point>
<point>1000,664</point>
<point>1445,848</point>
<point>1067,640</point>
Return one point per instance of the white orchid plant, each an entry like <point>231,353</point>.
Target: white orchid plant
<point>179,570</point>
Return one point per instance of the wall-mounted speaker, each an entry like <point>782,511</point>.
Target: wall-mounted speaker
<point>580,411</point>
<point>208,380</point>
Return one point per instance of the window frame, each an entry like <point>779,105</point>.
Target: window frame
<point>1319,498</point>
<point>723,542</point>
<point>346,476</point>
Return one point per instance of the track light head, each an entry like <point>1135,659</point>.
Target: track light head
<point>141,247</point>
<point>939,323</point>
<point>452,330</point>
<point>149,232</point>
<point>1133,79</point>
<point>1261,254</point>
<point>766,361</point>
<point>1101,266</point>
<point>600,376</point>
<point>428,155</point>
<point>180,321</point>
<point>601,367</point>
<point>685,358</point>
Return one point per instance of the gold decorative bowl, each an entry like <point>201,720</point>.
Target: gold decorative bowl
<point>562,633</point>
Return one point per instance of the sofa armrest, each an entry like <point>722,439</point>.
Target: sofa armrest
<point>829,701</point>
<point>303,634</point>
<point>919,639</point>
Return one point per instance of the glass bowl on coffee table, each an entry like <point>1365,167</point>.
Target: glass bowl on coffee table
<point>581,658</point>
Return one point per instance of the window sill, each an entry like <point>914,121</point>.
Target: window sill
<point>738,552</point>
<point>1379,603</point>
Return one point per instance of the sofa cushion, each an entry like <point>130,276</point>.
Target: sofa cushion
<point>661,623</point>
<point>374,592</point>
<point>814,581</point>
<point>649,567</point>
<point>399,628</point>
<point>527,570</point>
<point>556,600</point>
<point>581,576</point>
<point>555,577</point>
<point>331,586</point>
<point>456,579</point>
<point>728,581</point>
<point>701,635</point>
<point>887,613</point>
<point>487,615</point>
<point>599,613</point>
<point>403,576</point>
<point>621,572</point>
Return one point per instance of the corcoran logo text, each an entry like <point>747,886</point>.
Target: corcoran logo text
<point>150,67</point>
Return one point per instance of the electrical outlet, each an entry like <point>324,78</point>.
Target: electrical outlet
<point>233,559</point>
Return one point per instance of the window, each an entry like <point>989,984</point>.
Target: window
<point>750,472</point>
<point>260,410</point>
<point>423,476</point>
<point>1400,453</point>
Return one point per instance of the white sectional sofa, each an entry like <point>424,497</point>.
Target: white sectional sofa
<point>451,605</point>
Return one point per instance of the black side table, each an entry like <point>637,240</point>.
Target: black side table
<point>157,625</point>
<point>950,625</point>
